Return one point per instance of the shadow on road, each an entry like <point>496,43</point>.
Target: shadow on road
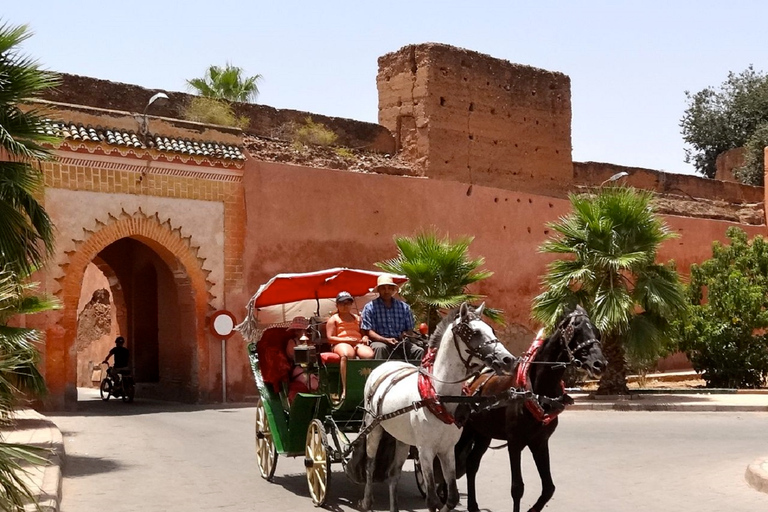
<point>344,492</point>
<point>90,404</point>
<point>80,465</point>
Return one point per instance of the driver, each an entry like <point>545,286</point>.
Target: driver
<point>122,358</point>
<point>385,319</point>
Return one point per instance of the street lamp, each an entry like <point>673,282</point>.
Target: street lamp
<point>160,99</point>
<point>615,177</point>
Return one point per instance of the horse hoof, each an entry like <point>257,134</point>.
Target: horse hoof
<point>473,507</point>
<point>365,506</point>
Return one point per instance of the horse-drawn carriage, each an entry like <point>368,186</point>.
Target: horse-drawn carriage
<point>414,406</point>
<point>314,423</point>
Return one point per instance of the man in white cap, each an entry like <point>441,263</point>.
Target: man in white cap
<point>385,319</point>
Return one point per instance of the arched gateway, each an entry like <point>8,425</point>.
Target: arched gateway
<point>161,281</point>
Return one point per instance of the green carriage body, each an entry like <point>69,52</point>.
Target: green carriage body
<point>289,421</point>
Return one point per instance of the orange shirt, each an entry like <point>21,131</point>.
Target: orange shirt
<point>348,329</point>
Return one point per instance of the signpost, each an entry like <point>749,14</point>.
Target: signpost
<point>222,325</point>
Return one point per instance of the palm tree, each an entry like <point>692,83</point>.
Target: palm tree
<point>226,83</point>
<point>18,376</point>
<point>438,271</point>
<point>26,232</point>
<point>612,240</point>
<point>26,238</point>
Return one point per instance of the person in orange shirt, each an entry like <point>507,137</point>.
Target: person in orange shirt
<point>343,333</point>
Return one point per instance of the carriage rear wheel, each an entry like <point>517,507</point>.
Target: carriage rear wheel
<point>318,463</point>
<point>266,451</point>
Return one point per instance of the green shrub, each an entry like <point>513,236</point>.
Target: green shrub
<point>724,335</point>
<point>316,134</point>
<point>213,111</point>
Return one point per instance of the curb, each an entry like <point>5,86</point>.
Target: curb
<point>44,481</point>
<point>630,406</point>
<point>757,475</point>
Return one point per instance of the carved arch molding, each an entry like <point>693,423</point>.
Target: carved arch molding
<point>176,250</point>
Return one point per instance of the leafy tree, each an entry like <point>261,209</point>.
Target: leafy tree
<point>438,271</point>
<point>725,335</point>
<point>26,232</point>
<point>717,120</point>
<point>226,83</point>
<point>611,241</point>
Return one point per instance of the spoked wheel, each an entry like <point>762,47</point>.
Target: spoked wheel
<point>318,463</point>
<point>105,390</point>
<point>420,485</point>
<point>266,451</point>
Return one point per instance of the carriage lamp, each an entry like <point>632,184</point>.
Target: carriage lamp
<point>305,354</point>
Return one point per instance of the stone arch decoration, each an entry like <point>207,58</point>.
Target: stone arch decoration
<point>167,241</point>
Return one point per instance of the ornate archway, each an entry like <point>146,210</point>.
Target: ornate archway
<point>181,258</point>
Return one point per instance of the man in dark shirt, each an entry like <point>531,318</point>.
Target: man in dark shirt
<point>122,357</point>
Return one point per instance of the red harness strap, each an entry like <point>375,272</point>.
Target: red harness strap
<point>427,389</point>
<point>522,381</point>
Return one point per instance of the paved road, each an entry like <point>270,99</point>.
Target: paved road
<point>156,457</point>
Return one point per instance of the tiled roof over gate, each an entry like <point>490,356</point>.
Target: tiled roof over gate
<point>129,139</point>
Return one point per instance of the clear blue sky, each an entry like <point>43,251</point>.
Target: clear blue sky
<point>629,62</point>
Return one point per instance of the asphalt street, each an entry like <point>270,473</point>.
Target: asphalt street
<point>151,456</point>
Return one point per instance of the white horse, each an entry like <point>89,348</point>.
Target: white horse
<point>461,345</point>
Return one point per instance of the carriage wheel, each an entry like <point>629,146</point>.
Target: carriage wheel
<point>419,478</point>
<point>318,463</point>
<point>266,451</point>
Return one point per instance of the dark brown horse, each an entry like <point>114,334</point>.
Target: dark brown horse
<point>530,423</point>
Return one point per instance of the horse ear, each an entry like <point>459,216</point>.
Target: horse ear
<point>463,311</point>
<point>479,310</point>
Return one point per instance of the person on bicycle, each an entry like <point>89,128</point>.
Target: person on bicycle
<point>122,359</point>
<point>385,319</point>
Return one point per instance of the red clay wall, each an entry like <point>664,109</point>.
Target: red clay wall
<point>302,219</point>
<point>469,117</point>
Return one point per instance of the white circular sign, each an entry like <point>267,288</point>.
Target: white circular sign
<point>223,324</point>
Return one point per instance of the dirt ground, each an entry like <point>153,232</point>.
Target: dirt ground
<point>654,383</point>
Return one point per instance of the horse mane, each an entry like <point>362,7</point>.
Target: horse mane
<point>447,320</point>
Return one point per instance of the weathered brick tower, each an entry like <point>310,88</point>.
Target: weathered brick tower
<point>465,116</point>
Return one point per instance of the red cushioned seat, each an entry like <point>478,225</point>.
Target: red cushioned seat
<point>330,357</point>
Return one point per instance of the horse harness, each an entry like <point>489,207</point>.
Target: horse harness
<point>429,398</point>
<point>522,380</point>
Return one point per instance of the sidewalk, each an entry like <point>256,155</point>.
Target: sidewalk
<point>33,428</point>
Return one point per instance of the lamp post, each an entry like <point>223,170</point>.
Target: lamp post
<point>160,99</point>
<point>615,177</point>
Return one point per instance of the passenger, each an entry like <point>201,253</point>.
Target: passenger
<point>385,320</point>
<point>343,333</point>
<point>301,381</point>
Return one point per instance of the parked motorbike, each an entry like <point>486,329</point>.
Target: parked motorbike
<point>117,384</point>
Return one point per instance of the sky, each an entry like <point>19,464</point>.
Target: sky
<point>630,63</point>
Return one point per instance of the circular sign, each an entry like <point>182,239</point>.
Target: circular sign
<point>223,324</point>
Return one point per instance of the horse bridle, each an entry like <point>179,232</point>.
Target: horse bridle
<point>567,333</point>
<point>464,332</point>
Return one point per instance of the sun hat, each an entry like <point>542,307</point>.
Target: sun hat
<point>300,323</point>
<point>344,297</point>
<point>384,280</point>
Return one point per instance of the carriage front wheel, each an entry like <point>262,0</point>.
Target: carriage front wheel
<point>419,477</point>
<point>317,462</point>
<point>266,451</point>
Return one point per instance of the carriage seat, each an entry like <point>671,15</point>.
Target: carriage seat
<point>330,358</point>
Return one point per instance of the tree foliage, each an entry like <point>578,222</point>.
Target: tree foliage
<point>717,120</point>
<point>26,232</point>
<point>725,335</point>
<point>439,270</point>
<point>609,243</point>
<point>226,83</point>
<point>26,238</point>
